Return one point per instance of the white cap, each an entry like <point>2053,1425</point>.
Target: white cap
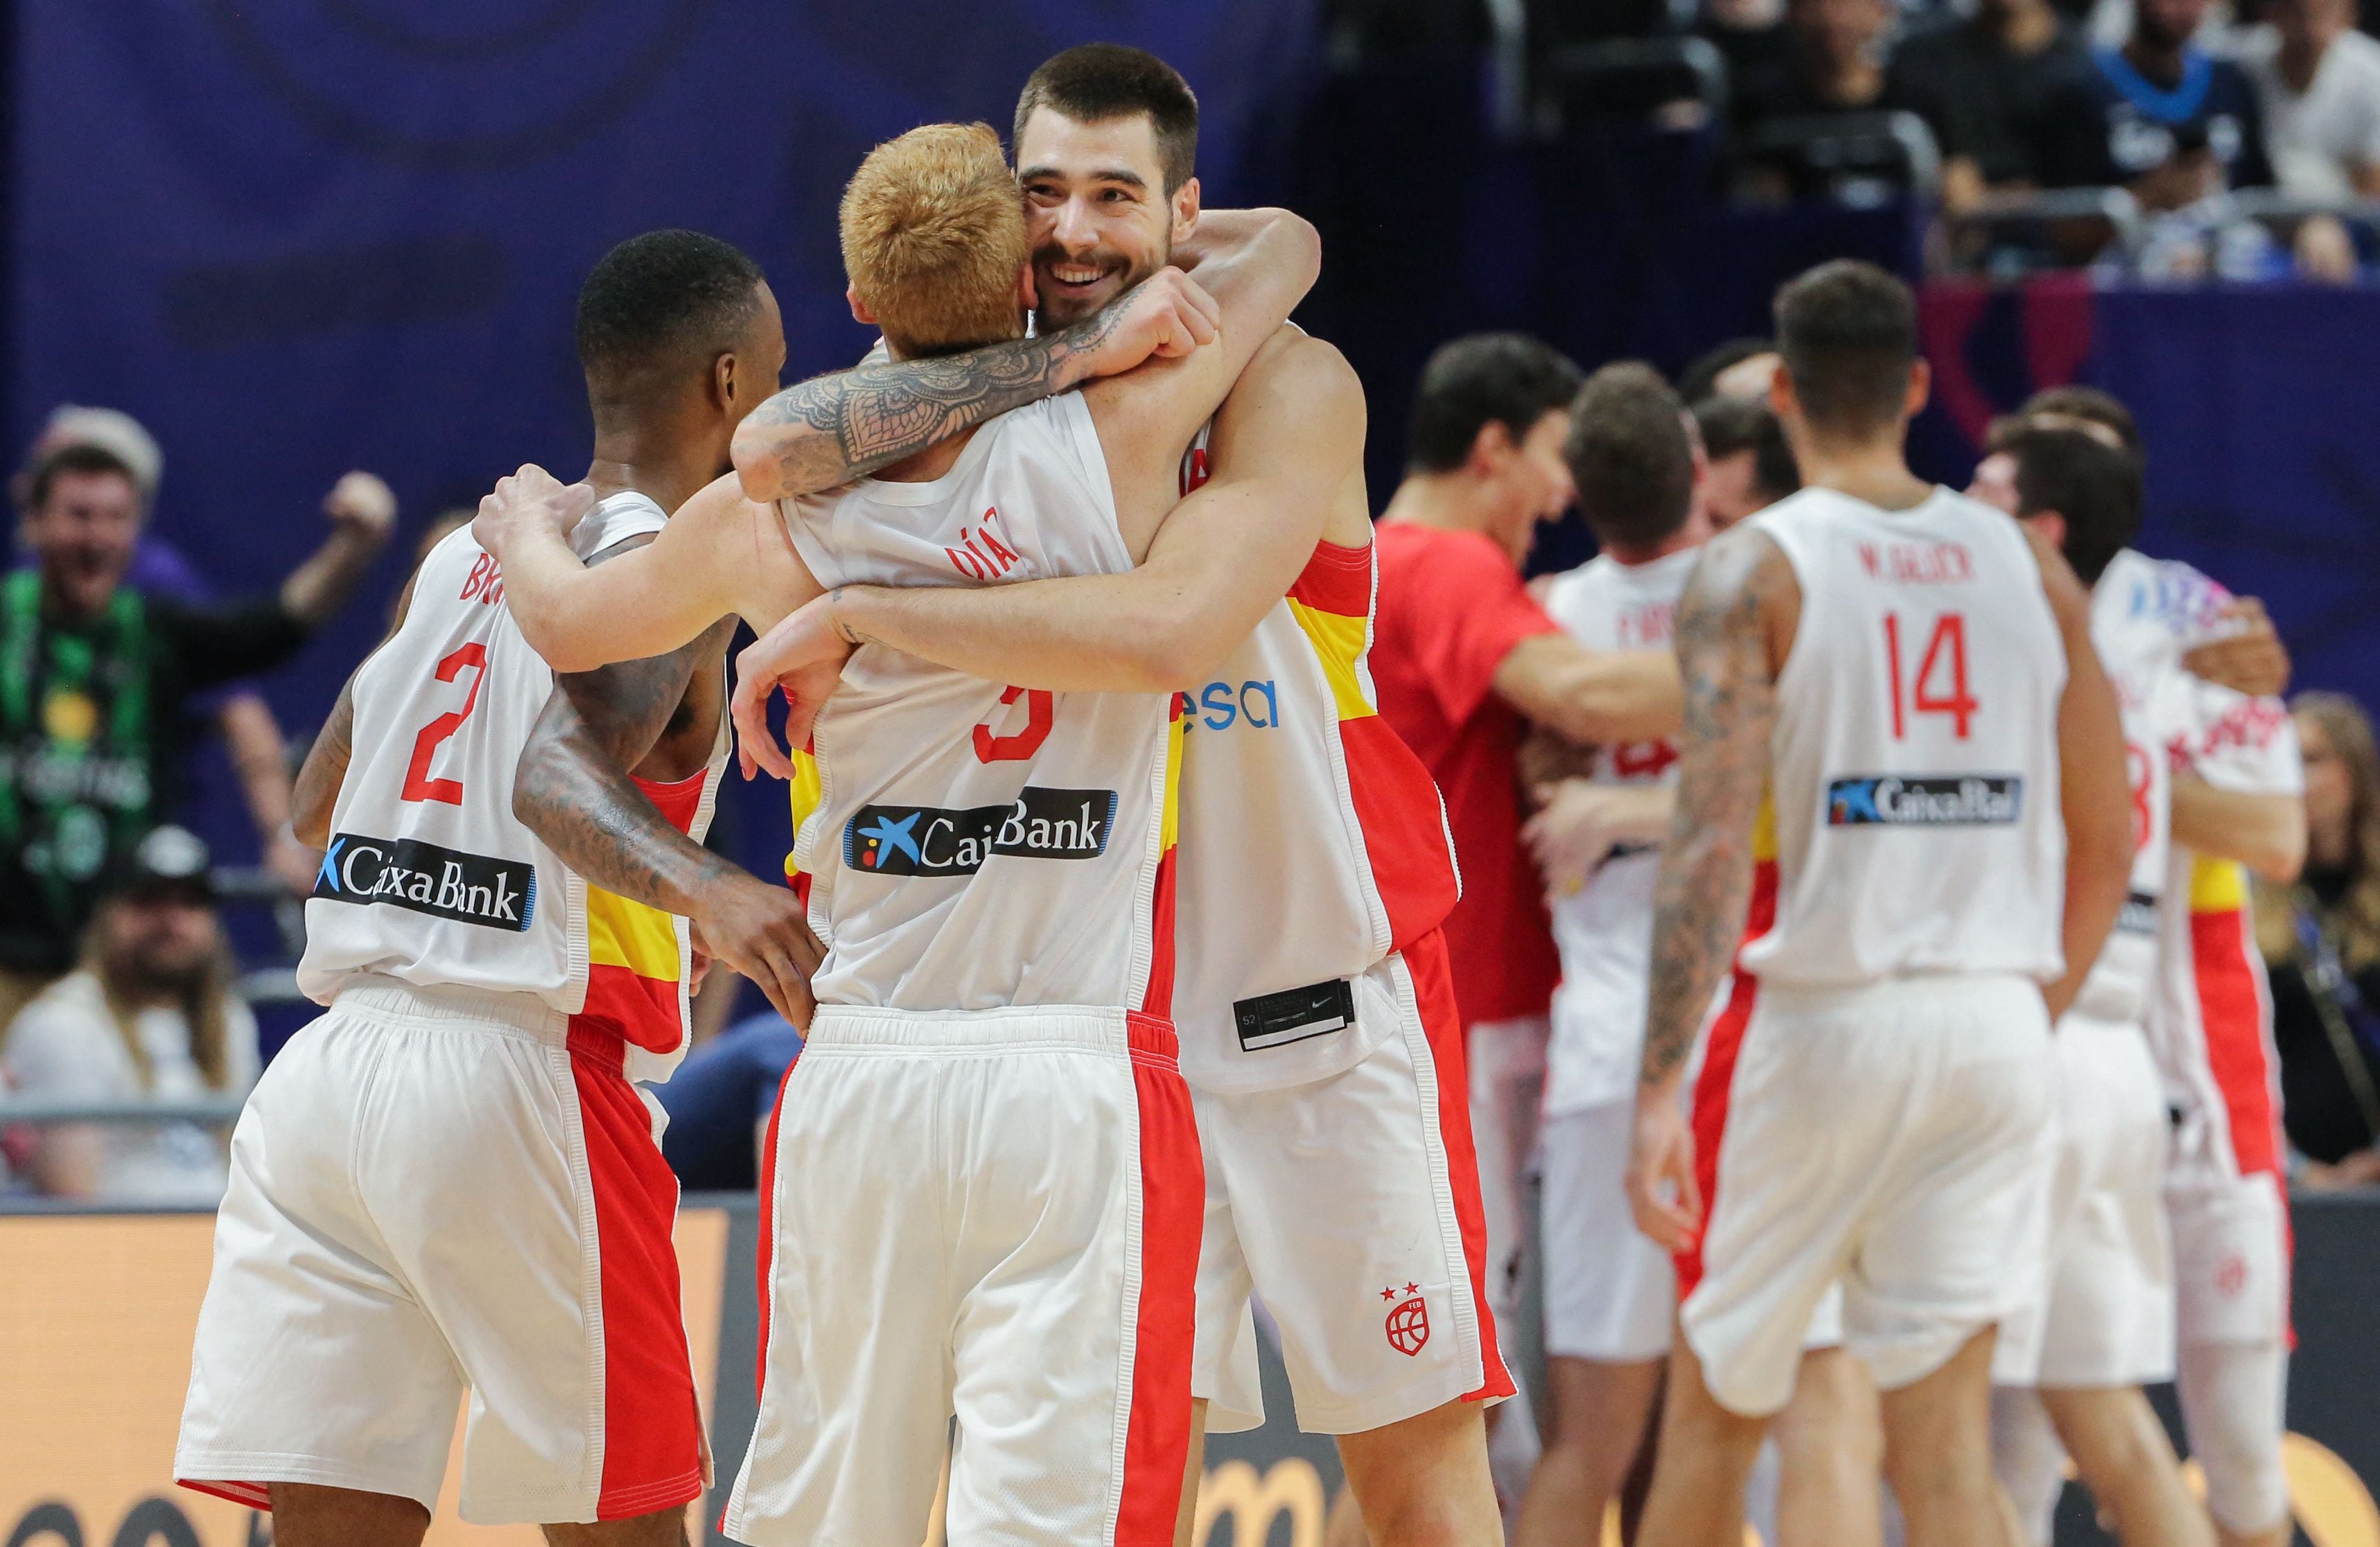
<point>109,430</point>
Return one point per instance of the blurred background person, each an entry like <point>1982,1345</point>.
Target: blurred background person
<point>97,682</point>
<point>1833,61</point>
<point>2321,942</point>
<point>150,1015</point>
<point>1750,467</point>
<point>1739,368</point>
<point>2317,80</point>
<point>2000,90</point>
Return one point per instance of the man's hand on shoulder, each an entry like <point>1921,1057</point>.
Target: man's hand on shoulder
<point>2249,658</point>
<point>532,501</point>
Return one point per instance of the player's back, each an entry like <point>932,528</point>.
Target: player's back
<point>428,878</point>
<point>973,845</point>
<point>1604,929</point>
<point>1915,752</point>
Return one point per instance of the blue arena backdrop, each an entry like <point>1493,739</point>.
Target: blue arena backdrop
<point>298,235</point>
<point>295,237</point>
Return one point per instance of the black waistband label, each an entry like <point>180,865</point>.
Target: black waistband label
<point>1294,1015</point>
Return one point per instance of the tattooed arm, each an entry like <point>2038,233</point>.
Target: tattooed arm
<point>325,770</point>
<point>1733,625</point>
<point>574,790</point>
<point>833,429</point>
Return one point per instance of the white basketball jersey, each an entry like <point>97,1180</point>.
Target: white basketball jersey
<point>431,879</point>
<point>2143,666</point>
<point>969,845</point>
<point>1313,841</point>
<point>1605,929</point>
<point>1914,757</point>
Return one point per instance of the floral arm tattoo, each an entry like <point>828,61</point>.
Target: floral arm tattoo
<point>1706,874</point>
<point>829,429</point>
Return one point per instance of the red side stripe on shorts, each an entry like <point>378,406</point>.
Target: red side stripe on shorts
<point>2232,1011</point>
<point>652,1423</point>
<point>765,1260</point>
<point>1441,1024</point>
<point>1172,1215</point>
<point>1718,1074</point>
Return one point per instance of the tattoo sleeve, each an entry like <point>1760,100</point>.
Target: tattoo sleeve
<point>316,790</point>
<point>1705,873</point>
<point>829,429</point>
<point>573,787</point>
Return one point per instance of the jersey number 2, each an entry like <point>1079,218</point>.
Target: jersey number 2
<point>418,785</point>
<point>1946,655</point>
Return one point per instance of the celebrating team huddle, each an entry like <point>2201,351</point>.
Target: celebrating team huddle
<point>1117,1020</point>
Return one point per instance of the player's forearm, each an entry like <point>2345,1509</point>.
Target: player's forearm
<point>1073,634</point>
<point>1593,697</point>
<point>325,769</point>
<point>1703,890</point>
<point>829,429</point>
<point>1229,242</point>
<point>260,758</point>
<point>2265,832</point>
<point>592,813</point>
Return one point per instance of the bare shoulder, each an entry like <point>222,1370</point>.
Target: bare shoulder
<point>1741,577</point>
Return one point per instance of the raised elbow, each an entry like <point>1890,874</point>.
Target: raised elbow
<point>2285,856</point>
<point>1299,235</point>
<point>759,470</point>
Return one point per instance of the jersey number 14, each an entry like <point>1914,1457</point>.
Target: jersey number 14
<point>1926,692</point>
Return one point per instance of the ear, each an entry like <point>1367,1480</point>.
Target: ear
<point>723,379</point>
<point>1185,210</point>
<point>2051,525</point>
<point>1028,294</point>
<point>1490,449</point>
<point>1921,388</point>
<point>1782,400</point>
<point>859,309</point>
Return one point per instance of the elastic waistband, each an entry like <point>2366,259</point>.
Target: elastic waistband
<point>1123,1032</point>
<point>467,1009</point>
<point>1913,988</point>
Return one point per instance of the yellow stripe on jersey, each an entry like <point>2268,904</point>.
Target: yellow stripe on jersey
<point>629,934</point>
<point>1338,641</point>
<point>808,792</point>
<point>1175,733</point>
<point>1764,829</point>
<point>2217,885</point>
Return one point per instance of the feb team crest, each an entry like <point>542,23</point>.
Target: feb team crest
<point>1408,1322</point>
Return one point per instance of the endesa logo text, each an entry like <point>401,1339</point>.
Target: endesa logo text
<point>928,840</point>
<point>442,883</point>
<point>1943,800</point>
<point>1219,706</point>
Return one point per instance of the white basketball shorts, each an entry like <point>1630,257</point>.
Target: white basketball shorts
<point>433,1190</point>
<point>1611,1295</point>
<point>992,1215</point>
<point>1351,1206</point>
<point>2104,1311</point>
<point>1894,1136</point>
<point>2231,1257</point>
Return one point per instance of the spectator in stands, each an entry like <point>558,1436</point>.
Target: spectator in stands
<point>95,684</point>
<point>718,1103</point>
<point>2321,940</point>
<point>259,753</point>
<point>2317,79</point>
<point>2000,91</point>
<point>1833,62</point>
<point>2180,128</point>
<point>1750,466</point>
<point>151,1015</point>
<point>1749,34</point>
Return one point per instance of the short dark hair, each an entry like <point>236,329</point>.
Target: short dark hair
<point>33,487</point>
<point>657,302</point>
<point>1093,83</point>
<point>1630,457</point>
<point>1733,424</point>
<point>1700,379</point>
<point>1503,378</point>
<point>1847,331</point>
<point>2089,405</point>
<point>2095,487</point>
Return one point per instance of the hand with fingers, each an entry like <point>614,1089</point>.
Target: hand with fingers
<point>1661,1189</point>
<point>1165,316</point>
<point>804,656</point>
<point>2249,656</point>
<point>531,499</point>
<point>762,932</point>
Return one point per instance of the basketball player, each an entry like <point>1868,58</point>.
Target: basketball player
<point>991,869</point>
<point>449,1180</point>
<point>2102,1325</point>
<point>2236,804</point>
<point>1885,682</point>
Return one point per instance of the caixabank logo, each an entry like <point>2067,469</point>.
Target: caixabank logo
<point>930,841</point>
<point>1936,800</point>
<point>442,883</point>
